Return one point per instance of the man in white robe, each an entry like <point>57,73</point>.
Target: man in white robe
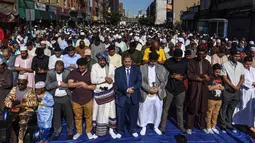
<point>244,113</point>
<point>104,110</point>
<point>153,92</point>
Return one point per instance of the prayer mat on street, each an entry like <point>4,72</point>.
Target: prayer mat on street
<point>198,136</point>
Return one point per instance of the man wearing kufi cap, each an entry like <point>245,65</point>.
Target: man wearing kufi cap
<point>47,51</point>
<point>23,64</point>
<point>152,92</point>
<point>104,111</point>
<point>44,111</point>
<point>5,83</point>
<point>82,37</point>
<point>21,101</point>
<point>121,44</point>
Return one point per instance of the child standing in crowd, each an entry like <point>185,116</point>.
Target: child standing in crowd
<point>45,111</point>
<point>215,88</point>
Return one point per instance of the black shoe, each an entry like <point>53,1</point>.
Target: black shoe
<point>183,130</point>
<point>55,138</point>
<point>163,130</point>
<point>223,130</point>
<point>230,127</point>
<point>70,137</point>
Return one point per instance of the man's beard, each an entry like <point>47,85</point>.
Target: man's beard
<point>82,46</point>
<point>102,66</point>
<point>24,57</point>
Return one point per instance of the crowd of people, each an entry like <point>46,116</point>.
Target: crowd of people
<point>108,75</point>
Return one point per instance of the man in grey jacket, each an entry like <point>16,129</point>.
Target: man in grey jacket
<point>56,84</point>
<point>153,92</point>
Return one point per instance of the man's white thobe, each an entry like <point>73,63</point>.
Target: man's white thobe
<point>244,113</point>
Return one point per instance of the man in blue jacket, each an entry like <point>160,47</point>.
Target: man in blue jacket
<point>128,80</point>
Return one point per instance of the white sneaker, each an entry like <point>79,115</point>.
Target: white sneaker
<point>210,131</point>
<point>76,136</point>
<point>95,136</point>
<point>111,132</point>
<point>215,131</point>
<point>234,131</point>
<point>90,136</point>
<point>118,136</point>
<point>205,130</point>
<point>135,135</point>
<point>189,131</point>
<point>158,131</point>
<point>143,131</point>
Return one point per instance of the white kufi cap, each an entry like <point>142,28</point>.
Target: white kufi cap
<point>23,48</point>
<point>22,76</point>
<point>40,84</point>
<point>253,49</point>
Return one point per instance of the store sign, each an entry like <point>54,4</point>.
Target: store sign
<point>40,6</point>
<point>30,14</point>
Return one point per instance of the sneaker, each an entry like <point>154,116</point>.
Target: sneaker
<point>224,130</point>
<point>158,131</point>
<point>135,135</point>
<point>234,131</point>
<point>95,136</point>
<point>210,131</point>
<point>76,136</point>
<point>205,130</point>
<point>118,136</point>
<point>189,131</point>
<point>143,131</point>
<point>215,131</point>
<point>90,136</point>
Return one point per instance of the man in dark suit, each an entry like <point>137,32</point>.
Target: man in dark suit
<point>128,80</point>
<point>56,84</point>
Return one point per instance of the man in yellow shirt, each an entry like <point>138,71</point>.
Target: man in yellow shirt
<point>155,48</point>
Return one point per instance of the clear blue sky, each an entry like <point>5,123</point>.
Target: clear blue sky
<point>135,5</point>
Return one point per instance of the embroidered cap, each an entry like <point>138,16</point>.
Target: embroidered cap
<point>40,84</point>
<point>23,48</point>
<point>22,76</point>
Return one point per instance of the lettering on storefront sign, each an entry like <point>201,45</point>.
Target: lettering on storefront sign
<point>40,6</point>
